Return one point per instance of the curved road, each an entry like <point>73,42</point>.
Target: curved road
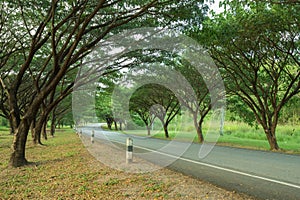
<point>262,174</point>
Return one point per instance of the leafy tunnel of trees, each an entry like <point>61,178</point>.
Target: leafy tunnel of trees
<point>255,45</point>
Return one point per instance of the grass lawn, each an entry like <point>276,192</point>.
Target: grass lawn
<point>242,135</point>
<point>64,169</point>
<point>237,135</point>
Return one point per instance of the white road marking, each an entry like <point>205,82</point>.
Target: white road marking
<point>217,167</point>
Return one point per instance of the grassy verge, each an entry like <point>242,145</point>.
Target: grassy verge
<point>63,169</point>
<point>237,135</point>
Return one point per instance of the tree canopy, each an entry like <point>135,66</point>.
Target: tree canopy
<point>256,46</point>
<point>43,44</point>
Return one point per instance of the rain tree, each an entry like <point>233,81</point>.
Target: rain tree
<point>154,100</point>
<point>43,44</point>
<point>256,45</point>
<point>139,106</point>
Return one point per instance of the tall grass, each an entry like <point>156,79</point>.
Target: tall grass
<point>234,134</point>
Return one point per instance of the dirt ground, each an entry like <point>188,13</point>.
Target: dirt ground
<point>67,169</point>
<point>157,182</point>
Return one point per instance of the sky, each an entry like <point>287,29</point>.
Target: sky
<point>216,8</point>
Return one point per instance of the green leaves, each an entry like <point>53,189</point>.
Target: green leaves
<point>256,46</point>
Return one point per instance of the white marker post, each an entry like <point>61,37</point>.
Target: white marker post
<point>92,137</point>
<point>129,150</point>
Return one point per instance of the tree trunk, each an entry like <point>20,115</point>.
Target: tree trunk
<point>17,157</point>
<point>270,129</point>
<point>148,129</point>
<point>198,127</point>
<point>199,133</point>
<point>109,126</point>
<point>37,133</point>
<point>166,130</point>
<point>44,130</point>
<point>52,129</point>
<point>12,131</point>
<point>270,133</point>
<point>109,122</point>
<point>53,120</point>
<point>116,125</point>
<point>120,125</point>
<point>32,128</point>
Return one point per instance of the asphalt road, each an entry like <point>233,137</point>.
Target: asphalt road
<point>262,174</point>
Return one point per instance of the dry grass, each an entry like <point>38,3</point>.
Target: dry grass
<point>64,169</point>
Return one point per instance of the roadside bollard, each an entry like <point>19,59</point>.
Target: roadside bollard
<point>129,150</point>
<point>92,137</point>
